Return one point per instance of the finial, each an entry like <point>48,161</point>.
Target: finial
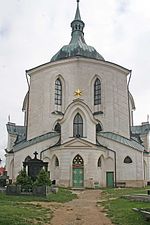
<point>9,118</point>
<point>77,16</point>
<point>78,2</point>
<point>148,118</point>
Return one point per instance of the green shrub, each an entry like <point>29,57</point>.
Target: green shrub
<point>24,180</point>
<point>42,179</point>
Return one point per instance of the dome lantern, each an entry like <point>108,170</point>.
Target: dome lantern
<point>77,45</point>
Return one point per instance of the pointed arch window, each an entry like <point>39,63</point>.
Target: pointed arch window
<point>99,163</point>
<point>98,128</point>
<point>57,128</point>
<point>97,92</point>
<point>78,160</point>
<point>127,160</point>
<point>78,126</point>
<point>27,159</point>
<point>56,162</point>
<point>58,92</point>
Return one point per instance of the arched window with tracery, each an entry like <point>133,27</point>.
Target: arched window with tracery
<point>127,160</point>
<point>78,126</point>
<point>78,161</point>
<point>58,92</point>
<point>97,92</point>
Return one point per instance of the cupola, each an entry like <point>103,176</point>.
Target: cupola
<point>77,45</point>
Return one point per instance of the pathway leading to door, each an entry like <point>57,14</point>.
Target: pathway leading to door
<point>81,211</point>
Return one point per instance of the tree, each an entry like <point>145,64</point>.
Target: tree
<point>42,179</point>
<point>24,180</point>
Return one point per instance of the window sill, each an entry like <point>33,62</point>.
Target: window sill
<point>58,113</point>
<point>98,113</point>
<point>78,137</point>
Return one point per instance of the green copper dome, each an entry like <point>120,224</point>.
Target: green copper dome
<point>77,45</point>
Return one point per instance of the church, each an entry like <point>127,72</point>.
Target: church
<point>78,117</point>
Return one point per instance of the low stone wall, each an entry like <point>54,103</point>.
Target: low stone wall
<point>139,198</point>
<point>41,190</point>
<point>37,190</point>
<point>90,183</point>
<point>133,183</point>
<point>2,190</point>
<point>13,190</point>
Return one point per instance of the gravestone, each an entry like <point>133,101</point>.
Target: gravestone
<point>34,166</point>
<point>3,179</point>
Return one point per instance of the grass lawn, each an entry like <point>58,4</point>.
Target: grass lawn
<point>19,210</point>
<point>120,210</point>
<point>63,195</point>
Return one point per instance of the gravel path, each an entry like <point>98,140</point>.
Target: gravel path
<point>81,211</point>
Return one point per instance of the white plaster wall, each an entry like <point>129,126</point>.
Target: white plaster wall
<point>126,172</point>
<point>19,156</point>
<point>131,114</point>
<point>90,153</point>
<point>148,136</point>
<point>145,139</point>
<point>89,123</point>
<point>10,141</point>
<point>10,165</point>
<point>147,168</point>
<point>78,73</point>
<point>92,173</point>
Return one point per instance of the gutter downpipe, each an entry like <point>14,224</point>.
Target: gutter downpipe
<point>27,103</point>
<point>129,103</point>
<point>44,150</point>
<point>115,166</point>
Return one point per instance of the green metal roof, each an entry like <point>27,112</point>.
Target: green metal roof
<point>77,45</point>
<point>19,131</point>
<point>118,138</point>
<point>25,144</point>
<point>141,129</point>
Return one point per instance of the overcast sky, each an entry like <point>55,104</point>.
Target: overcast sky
<point>32,31</point>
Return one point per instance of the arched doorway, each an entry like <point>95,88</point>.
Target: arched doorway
<point>78,172</point>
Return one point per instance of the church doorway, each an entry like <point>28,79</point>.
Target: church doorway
<point>109,179</point>
<point>78,172</point>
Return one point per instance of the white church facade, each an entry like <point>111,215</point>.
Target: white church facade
<point>79,118</point>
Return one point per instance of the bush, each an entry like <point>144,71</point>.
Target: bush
<point>24,180</point>
<point>42,179</point>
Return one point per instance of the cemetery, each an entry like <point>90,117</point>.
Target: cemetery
<point>33,179</point>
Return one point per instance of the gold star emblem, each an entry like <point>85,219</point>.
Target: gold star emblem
<point>78,93</point>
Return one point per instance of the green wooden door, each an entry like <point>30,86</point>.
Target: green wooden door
<point>78,177</point>
<point>110,179</point>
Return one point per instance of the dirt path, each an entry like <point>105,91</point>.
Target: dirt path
<point>81,211</point>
